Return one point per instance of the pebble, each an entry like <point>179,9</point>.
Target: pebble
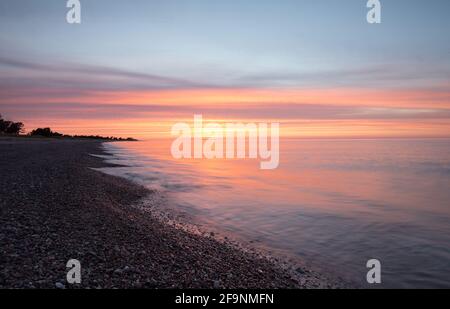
<point>216,284</point>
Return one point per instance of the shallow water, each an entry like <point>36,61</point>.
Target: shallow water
<point>333,203</point>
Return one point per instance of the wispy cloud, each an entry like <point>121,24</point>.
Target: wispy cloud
<point>268,112</point>
<point>83,75</point>
<point>385,75</point>
<point>59,93</point>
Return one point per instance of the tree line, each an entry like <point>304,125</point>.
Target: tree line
<point>17,128</point>
<point>10,127</point>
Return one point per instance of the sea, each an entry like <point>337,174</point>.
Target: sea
<point>333,204</point>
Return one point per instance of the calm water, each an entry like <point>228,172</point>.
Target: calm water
<point>333,203</point>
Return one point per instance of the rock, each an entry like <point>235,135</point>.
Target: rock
<point>300,271</point>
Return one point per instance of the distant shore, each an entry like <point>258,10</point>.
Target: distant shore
<point>55,135</point>
<point>54,208</point>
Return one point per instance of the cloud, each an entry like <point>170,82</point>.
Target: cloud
<point>90,76</point>
<point>264,112</point>
<point>386,75</point>
<point>92,95</point>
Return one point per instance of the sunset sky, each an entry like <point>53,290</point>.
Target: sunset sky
<point>134,68</point>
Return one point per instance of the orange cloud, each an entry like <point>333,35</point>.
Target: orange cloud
<point>405,98</point>
<point>158,124</point>
<point>300,128</point>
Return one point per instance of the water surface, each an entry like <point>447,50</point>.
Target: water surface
<point>335,204</point>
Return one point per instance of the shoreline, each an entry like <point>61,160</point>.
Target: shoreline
<point>56,207</point>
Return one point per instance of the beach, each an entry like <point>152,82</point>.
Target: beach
<point>55,207</point>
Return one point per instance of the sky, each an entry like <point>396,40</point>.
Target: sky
<point>135,68</point>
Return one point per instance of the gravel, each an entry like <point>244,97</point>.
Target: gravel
<point>54,207</point>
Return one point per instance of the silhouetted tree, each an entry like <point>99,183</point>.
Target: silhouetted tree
<point>45,132</point>
<point>9,127</point>
<point>4,125</point>
<point>15,128</point>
